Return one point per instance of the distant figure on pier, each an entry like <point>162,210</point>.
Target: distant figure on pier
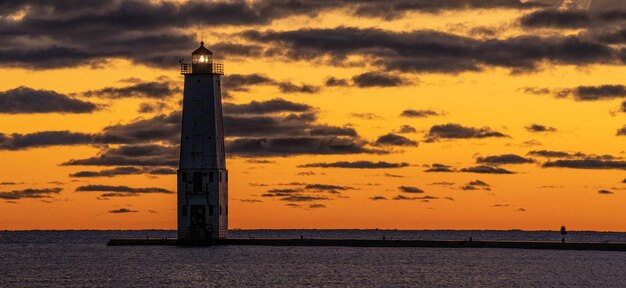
<point>471,239</point>
<point>384,237</point>
<point>563,233</point>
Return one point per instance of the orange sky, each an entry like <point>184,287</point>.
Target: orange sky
<point>532,197</point>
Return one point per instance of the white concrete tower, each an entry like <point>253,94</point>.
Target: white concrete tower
<point>202,174</point>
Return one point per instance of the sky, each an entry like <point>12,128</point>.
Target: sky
<point>390,114</point>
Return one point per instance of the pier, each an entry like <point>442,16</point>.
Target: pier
<point>545,245</point>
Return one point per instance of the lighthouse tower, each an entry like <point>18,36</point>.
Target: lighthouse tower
<point>202,174</point>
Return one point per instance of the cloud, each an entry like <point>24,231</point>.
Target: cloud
<point>287,87</point>
<point>423,198</point>
<point>336,82</point>
<point>394,140</point>
<point>30,193</point>
<point>153,90</point>
<point>410,189</point>
<point>260,161</point>
<point>117,171</point>
<point>456,131</point>
<point>326,187</point>
<point>151,107</point>
<point>43,139</point>
<point>406,129</point>
<point>378,198</point>
<point>586,164</point>
<point>122,210</point>
<point>486,170</point>
<point>378,79</point>
<point>411,113</point>
<point>592,93</point>
<point>290,146</point>
<point>476,185</point>
<point>120,191</point>
<point>240,82</point>
<point>25,100</point>
<point>437,167</point>
<point>332,131</point>
<point>250,201</point>
<point>393,175</point>
<point>538,128</point>
<point>356,165</point>
<point>504,159</point>
<point>431,51</point>
<point>316,206</point>
<point>132,155</point>
<point>366,116</point>
<point>621,131</point>
<point>623,107</point>
<point>605,192</point>
<point>557,19</point>
<point>276,105</point>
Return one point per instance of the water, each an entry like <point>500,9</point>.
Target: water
<point>82,259</point>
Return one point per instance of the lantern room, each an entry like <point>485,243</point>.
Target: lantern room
<point>202,55</point>
<point>201,63</point>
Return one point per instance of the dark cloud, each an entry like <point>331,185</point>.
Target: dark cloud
<point>573,19</point>
<point>433,51</point>
<point>605,192</point>
<point>406,129</point>
<point>504,159</point>
<point>303,198</point>
<point>436,167</point>
<point>117,171</point>
<point>486,170</point>
<point>122,210</point>
<point>25,100</point>
<point>378,79</point>
<point>586,164</point>
<point>333,131</point>
<point>151,107</point>
<point>158,128</point>
<point>393,175</point>
<point>326,187</point>
<point>275,105</point>
<point>316,206</point>
<point>268,147</point>
<point>621,131</point>
<point>557,19</point>
<point>411,189</point>
<point>154,90</point>
<point>260,161</point>
<point>250,201</point>
<point>378,198</point>
<point>366,116</point>
<point>411,113</point>
<point>476,185</point>
<point>30,193</point>
<point>391,10</point>
<point>623,107</point>
<point>43,139</point>
<point>394,140</point>
<point>423,198</point>
<point>357,165</point>
<point>120,191</point>
<point>132,155</point>
<point>240,82</point>
<point>571,155</point>
<point>456,131</point>
<point>287,87</point>
<point>538,128</point>
<point>592,93</point>
<point>336,82</point>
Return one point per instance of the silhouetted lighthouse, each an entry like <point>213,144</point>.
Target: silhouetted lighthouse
<point>202,174</point>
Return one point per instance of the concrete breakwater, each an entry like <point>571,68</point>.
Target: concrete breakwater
<point>378,243</point>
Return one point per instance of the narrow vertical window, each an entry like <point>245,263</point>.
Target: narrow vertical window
<point>220,209</point>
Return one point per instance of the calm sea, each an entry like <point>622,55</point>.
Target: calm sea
<point>82,259</point>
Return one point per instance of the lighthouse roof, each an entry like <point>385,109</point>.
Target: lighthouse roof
<point>202,50</point>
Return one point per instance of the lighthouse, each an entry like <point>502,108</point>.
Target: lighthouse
<point>202,175</point>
